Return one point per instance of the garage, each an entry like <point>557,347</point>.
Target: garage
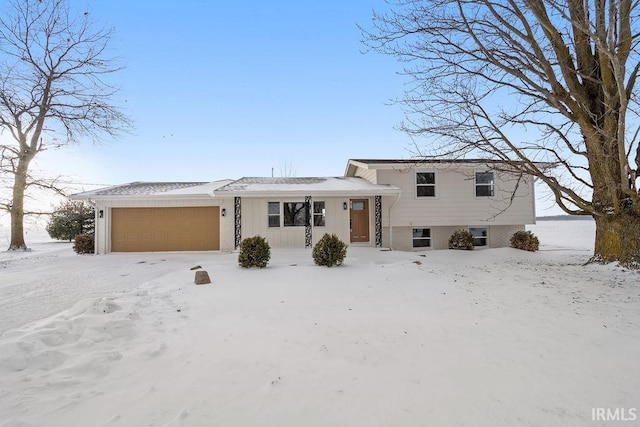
<point>165,229</point>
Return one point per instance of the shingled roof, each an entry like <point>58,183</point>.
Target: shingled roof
<point>305,186</point>
<point>153,189</point>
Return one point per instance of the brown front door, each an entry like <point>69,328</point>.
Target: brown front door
<point>359,216</point>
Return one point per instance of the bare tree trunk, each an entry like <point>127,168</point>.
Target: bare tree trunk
<point>17,207</point>
<point>618,239</point>
<point>54,80</point>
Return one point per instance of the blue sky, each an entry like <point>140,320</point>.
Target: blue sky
<point>229,89</point>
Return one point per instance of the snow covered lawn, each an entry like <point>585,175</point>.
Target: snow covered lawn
<point>494,337</point>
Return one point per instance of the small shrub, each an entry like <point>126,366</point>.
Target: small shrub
<point>254,252</point>
<point>83,244</point>
<point>524,240</point>
<point>329,251</point>
<point>461,239</point>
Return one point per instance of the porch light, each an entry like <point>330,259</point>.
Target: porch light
<point>345,206</point>
<point>100,213</point>
<point>223,212</point>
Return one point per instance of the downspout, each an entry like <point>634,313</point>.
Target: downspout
<point>95,226</point>
<point>390,223</point>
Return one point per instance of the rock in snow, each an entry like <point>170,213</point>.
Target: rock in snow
<point>202,278</point>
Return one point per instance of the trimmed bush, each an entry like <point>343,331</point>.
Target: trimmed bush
<point>461,239</point>
<point>254,252</point>
<point>329,251</point>
<point>524,240</point>
<point>83,244</point>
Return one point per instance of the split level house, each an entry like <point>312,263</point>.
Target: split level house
<point>398,204</point>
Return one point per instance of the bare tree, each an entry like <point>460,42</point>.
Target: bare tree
<point>54,67</point>
<point>531,83</point>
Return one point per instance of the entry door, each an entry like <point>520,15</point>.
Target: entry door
<point>359,216</point>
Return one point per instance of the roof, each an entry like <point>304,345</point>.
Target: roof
<point>410,163</point>
<point>330,186</point>
<point>419,161</point>
<point>154,189</point>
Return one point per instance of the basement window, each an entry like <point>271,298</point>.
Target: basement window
<point>421,237</point>
<point>479,236</point>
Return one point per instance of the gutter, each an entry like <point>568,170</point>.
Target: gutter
<point>390,223</point>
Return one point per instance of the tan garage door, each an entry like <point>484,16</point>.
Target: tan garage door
<point>165,229</point>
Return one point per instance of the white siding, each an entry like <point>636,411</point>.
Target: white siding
<point>255,222</point>
<point>455,202</point>
<point>337,221</point>
<point>369,175</point>
<point>103,225</point>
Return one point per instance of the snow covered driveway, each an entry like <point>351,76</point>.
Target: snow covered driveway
<point>52,278</point>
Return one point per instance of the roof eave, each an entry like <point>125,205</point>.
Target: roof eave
<point>142,196</point>
<point>351,165</point>
<point>322,193</point>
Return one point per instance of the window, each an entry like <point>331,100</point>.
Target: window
<point>319,214</point>
<point>479,236</point>
<point>358,205</point>
<point>421,237</point>
<point>294,213</point>
<point>484,184</point>
<point>274,214</point>
<point>425,184</point>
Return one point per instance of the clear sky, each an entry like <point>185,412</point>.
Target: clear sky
<point>237,88</point>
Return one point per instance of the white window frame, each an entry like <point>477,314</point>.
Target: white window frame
<point>434,185</point>
<point>322,214</point>
<point>485,237</point>
<point>413,238</point>
<point>491,185</point>
<point>270,215</point>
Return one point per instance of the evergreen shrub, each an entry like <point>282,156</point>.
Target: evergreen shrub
<point>254,252</point>
<point>329,251</point>
<point>71,218</point>
<point>83,244</point>
<point>461,239</point>
<point>524,240</point>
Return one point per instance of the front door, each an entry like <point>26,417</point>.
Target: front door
<point>359,216</point>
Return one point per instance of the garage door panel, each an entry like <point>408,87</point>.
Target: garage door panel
<point>165,229</point>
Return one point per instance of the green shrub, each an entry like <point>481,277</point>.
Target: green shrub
<point>83,244</point>
<point>461,239</point>
<point>329,251</point>
<point>70,219</point>
<point>524,240</point>
<point>254,252</point>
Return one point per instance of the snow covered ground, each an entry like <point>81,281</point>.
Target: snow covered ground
<point>493,337</point>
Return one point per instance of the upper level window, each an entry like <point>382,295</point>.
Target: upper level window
<point>274,214</point>
<point>425,184</point>
<point>484,184</point>
<point>294,214</point>
<point>319,214</point>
